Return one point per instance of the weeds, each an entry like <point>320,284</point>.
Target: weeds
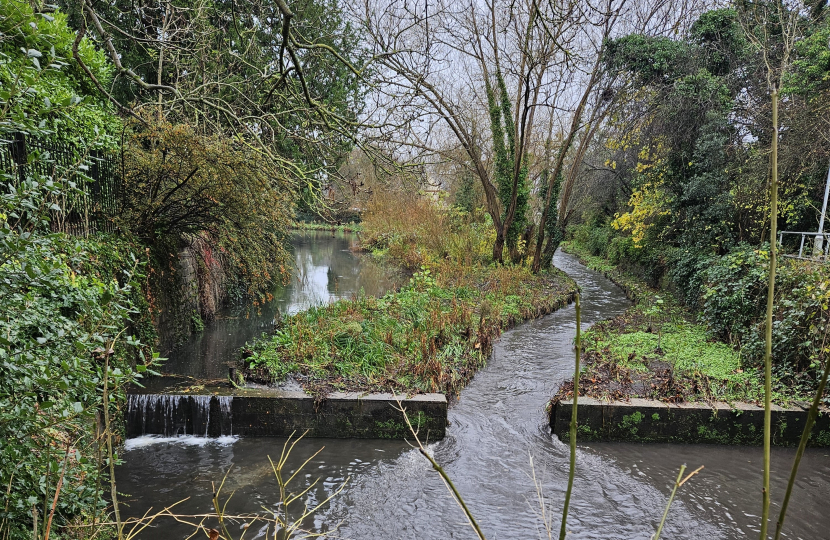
<point>278,524</point>
<point>659,351</point>
<point>431,336</point>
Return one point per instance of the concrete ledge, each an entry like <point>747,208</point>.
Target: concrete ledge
<point>642,420</point>
<point>278,413</point>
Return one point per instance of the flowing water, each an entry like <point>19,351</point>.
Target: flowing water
<point>497,425</point>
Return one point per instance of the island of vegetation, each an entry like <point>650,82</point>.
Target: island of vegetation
<point>429,336</point>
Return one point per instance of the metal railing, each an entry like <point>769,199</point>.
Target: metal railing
<point>87,210</point>
<point>816,249</point>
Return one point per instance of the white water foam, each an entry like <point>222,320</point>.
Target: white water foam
<point>184,440</point>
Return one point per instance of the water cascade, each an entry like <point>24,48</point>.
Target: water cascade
<point>175,415</point>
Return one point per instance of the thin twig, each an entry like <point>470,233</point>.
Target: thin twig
<point>677,484</point>
<point>444,476</point>
<point>57,494</point>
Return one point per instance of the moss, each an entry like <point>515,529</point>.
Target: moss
<point>631,421</point>
<point>711,435</point>
<point>197,322</point>
<point>822,438</point>
<point>585,430</point>
<point>655,417</point>
<point>397,429</point>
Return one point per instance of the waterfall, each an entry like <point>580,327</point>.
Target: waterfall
<point>174,415</point>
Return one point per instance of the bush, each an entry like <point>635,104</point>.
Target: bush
<point>600,240</point>
<point>734,308</point>
<point>415,231</point>
<point>593,236</point>
<point>734,292</point>
<point>686,274</point>
<point>66,302</point>
<point>182,185</point>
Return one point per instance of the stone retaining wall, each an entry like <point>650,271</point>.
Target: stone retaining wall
<point>642,420</point>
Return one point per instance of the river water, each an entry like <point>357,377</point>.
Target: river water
<point>497,425</point>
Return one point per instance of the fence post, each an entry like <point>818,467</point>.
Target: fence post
<point>19,155</point>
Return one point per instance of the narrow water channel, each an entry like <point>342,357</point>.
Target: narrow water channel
<point>498,423</point>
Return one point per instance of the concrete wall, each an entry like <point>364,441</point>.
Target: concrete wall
<point>641,420</point>
<point>275,413</point>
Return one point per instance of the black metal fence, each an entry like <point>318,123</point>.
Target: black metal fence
<point>89,208</point>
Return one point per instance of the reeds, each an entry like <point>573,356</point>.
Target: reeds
<point>286,522</point>
<point>770,300</point>
<point>574,417</point>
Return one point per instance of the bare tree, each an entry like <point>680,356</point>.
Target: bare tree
<point>486,74</point>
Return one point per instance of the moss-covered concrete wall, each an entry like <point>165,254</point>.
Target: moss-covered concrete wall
<point>276,413</point>
<point>641,420</point>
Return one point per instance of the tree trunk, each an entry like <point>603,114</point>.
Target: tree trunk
<point>498,246</point>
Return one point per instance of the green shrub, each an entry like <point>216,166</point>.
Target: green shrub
<point>734,301</point>
<point>66,301</point>
<point>70,305</point>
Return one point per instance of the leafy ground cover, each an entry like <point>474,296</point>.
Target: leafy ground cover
<point>658,350</point>
<point>322,226</point>
<point>431,336</point>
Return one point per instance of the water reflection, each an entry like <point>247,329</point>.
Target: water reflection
<point>325,270</point>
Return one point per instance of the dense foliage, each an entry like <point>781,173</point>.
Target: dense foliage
<point>426,233</point>
<point>684,201</point>
<point>659,349</point>
<point>234,69</point>
<point>72,308</point>
<point>181,187</point>
<point>40,86</point>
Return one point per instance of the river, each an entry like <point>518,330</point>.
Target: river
<point>325,269</point>
<point>496,425</point>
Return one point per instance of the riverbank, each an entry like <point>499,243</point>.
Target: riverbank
<point>658,350</point>
<point>431,336</point>
<point>321,226</point>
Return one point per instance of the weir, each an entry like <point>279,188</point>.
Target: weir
<point>175,415</point>
<point>497,424</point>
<point>268,412</point>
